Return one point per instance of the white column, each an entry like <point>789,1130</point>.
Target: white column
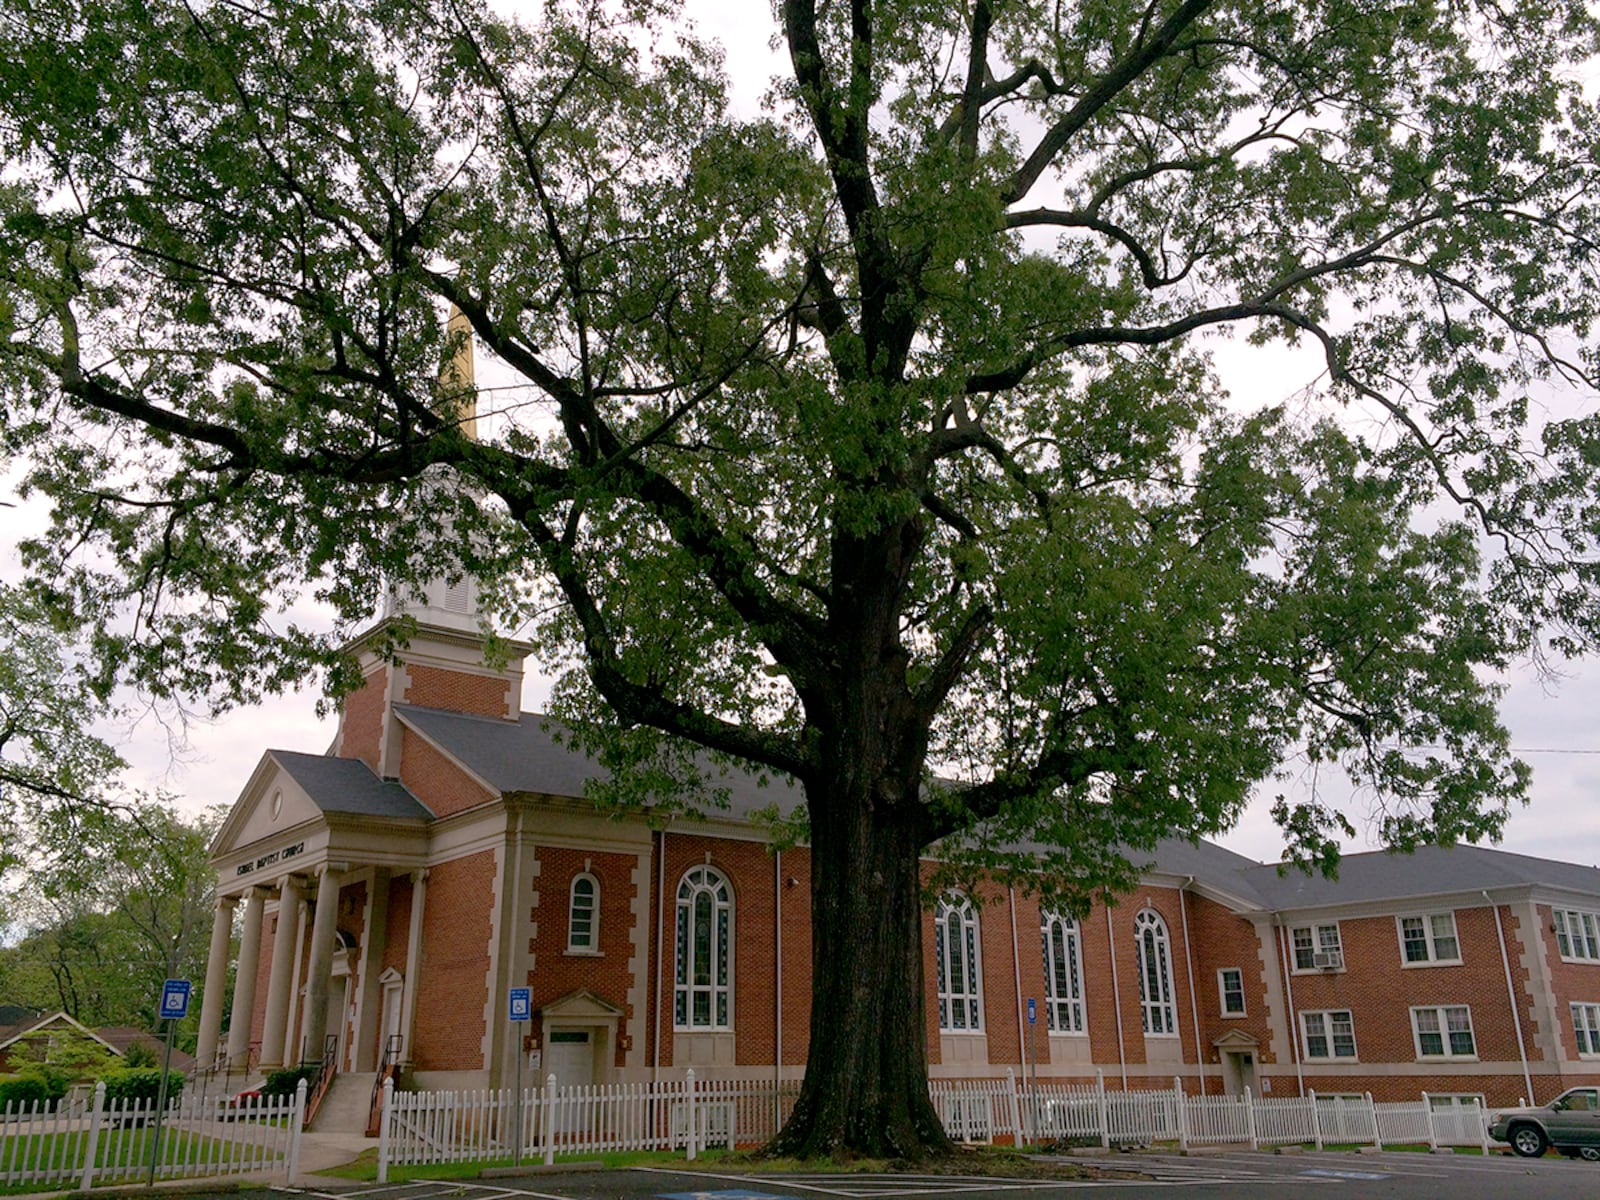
<point>281,979</point>
<point>216,981</point>
<point>408,994</point>
<point>244,980</point>
<point>323,928</point>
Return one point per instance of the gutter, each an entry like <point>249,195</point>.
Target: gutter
<point>1288,991</point>
<point>1188,962</point>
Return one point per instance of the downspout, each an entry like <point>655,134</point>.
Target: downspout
<point>1016,975</point>
<point>1188,962</point>
<point>777,986</point>
<point>1288,991</point>
<point>1511,995</point>
<point>661,922</point>
<point>1116,998</point>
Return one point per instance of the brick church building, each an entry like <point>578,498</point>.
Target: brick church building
<point>443,852</point>
<point>394,890</point>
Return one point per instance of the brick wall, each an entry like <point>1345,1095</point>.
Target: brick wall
<point>1570,982</point>
<point>401,890</point>
<point>458,691</point>
<point>453,978</point>
<point>435,780</point>
<point>361,721</point>
<point>556,972</point>
<point>1223,939</point>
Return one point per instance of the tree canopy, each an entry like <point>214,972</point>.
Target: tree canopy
<point>875,433</point>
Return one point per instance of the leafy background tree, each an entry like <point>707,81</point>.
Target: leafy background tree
<point>106,920</point>
<point>875,434</point>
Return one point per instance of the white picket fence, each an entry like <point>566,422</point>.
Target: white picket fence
<point>114,1141</point>
<point>688,1115</point>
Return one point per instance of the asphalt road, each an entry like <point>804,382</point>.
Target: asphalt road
<point>1237,1176</point>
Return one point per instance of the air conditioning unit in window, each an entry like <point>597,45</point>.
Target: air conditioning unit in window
<point>1328,960</point>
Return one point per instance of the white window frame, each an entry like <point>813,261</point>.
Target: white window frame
<point>1223,990</point>
<point>1441,1015</point>
<point>1321,937</point>
<point>591,944</point>
<point>960,974</point>
<point>1586,1028</point>
<point>715,984</point>
<point>1577,934</point>
<point>1444,1101</point>
<point>1430,939</point>
<point>1325,1016</point>
<point>1063,962</point>
<point>1158,1010</point>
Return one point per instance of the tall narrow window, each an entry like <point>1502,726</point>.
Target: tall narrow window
<point>955,948</point>
<point>1063,974</point>
<point>705,947</point>
<point>583,914</point>
<point>1155,974</point>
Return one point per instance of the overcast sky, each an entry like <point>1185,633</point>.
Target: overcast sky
<point>1557,729</point>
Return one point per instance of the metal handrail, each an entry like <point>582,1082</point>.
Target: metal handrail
<point>325,1074</point>
<point>388,1068</point>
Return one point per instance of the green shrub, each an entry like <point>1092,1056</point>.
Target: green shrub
<point>140,1083</point>
<point>139,1054</point>
<point>283,1083</point>
<point>32,1087</point>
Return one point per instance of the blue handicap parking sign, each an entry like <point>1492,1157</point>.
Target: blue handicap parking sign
<point>175,999</point>
<point>521,1003</point>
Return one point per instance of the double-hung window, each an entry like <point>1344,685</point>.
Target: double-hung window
<point>1578,934</point>
<point>1429,938</point>
<point>1230,990</point>
<point>1328,1035</point>
<point>957,964</point>
<point>1155,975</point>
<point>1444,1031</point>
<point>1316,947</point>
<point>1586,1028</point>
<point>583,915</point>
<point>1063,973</point>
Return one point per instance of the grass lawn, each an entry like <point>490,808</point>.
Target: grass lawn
<point>61,1154</point>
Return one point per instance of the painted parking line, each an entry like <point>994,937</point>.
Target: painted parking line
<point>902,1187</point>
<point>427,1189</point>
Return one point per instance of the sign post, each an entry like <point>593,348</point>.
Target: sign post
<point>521,1009</point>
<point>174,1007</point>
<point>1033,1069</point>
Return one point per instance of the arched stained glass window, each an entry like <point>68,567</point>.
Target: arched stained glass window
<point>959,969</point>
<point>1063,973</point>
<point>703,994</point>
<point>1155,974</point>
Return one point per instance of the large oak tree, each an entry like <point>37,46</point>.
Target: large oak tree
<point>873,435</point>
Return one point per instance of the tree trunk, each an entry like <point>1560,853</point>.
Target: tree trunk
<point>866,1084</point>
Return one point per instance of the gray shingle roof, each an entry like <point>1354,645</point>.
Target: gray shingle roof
<point>348,785</point>
<point>1430,871</point>
<point>532,755</point>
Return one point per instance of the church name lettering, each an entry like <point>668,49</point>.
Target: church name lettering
<point>266,860</point>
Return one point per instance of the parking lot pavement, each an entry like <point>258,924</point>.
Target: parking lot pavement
<point>1232,1176</point>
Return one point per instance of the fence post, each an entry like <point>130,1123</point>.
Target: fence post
<point>1250,1119</point>
<point>1316,1117</point>
<point>1483,1125</point>
<point>1016,1108</point>
<point>87,1181</point>
<point>688,1106</point>
<point>547,1113</point>
<point>383,1129</point>
<point>1105,1113</point>
<point>297,1121</point>
<point>1377,1133</point>
<point>1433,1134</point>
<point>1181,1107</point>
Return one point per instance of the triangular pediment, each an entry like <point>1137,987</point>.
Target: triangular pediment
<point>270,805</point>
<point>581,1004</point>
<point>1236,1039</point>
